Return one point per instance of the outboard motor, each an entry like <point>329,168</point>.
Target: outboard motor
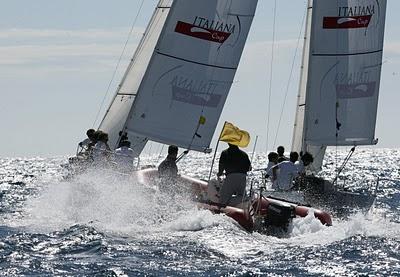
<point>275,219</point>
<point>279,215</point>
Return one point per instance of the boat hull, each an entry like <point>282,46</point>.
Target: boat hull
<point>320,192</point>
<point>256,207</point>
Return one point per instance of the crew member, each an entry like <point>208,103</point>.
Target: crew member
<point>272,173</point>
<point>124,157</point>
<point>90,141</point>
<point>168,168</point>
<point>101,150</point>
<point>305,160</point>
<point>123,137</point>
<point>281,154</point>
<point>287,172</point>
<point>235,163</point>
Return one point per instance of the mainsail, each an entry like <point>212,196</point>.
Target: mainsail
<point>117,113</point>
<point>339,88</point>
<point>186,83</point>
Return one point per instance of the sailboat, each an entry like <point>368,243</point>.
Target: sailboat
<point>339,88</point>
<point>175,87</point>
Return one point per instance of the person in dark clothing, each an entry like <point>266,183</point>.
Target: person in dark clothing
<point>90,141</point>
<point>233,160</point>
<point>235,163</point>
<point>123,138</point>
<point>168,168</point>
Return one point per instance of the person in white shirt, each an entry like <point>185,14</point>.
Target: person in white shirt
<point>287,172</point>
<point>124,156</point>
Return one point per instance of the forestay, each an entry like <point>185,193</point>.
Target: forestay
<point>117,113</point>
<point>186,84</point>
<point>340,88</point>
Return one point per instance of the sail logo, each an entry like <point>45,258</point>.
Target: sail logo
<point>350,18</point>
<point>202,28</point>
<point>354,85</point>
<point>359,90</point>
<point>199,93</point>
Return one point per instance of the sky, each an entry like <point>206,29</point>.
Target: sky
<point>58,57</point>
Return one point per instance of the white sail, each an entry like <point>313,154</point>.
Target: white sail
<point>191,72</point>
<point>298,143</point>
<point>343,73</point>
<point>117,113</point>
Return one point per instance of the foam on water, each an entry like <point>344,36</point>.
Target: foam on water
<point>193,220</point>
<point>308,231</point>
<point>112,203</point>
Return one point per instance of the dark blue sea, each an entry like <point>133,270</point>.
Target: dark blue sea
<point>104,224</point>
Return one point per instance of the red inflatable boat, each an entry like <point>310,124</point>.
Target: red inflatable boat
<point>259,213</point>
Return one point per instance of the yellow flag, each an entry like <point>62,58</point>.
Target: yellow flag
<point>233,135</point>
<point>202,120</point>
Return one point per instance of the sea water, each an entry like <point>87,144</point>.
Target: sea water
<point>105,224</point>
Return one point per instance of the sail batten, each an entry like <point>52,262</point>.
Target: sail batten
<point>346,54</point>
<point>196,62</point>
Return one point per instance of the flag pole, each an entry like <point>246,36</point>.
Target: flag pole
<point>215,153</point>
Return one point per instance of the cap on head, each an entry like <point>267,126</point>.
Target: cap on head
<point>172,150</point>
<point>307,158</point>
<point>294,156</point>
<point>90,132</point>
<point>280,150</point>
<point>272,156</point>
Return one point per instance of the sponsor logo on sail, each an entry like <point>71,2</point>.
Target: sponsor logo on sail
<point>350,18</point>
<point>355,85</point>
<point>200,93</point>
<point>202,28</point>
<point>360,90</point>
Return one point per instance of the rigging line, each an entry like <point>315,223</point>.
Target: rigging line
<point>290,78</point>
<point>271,70</point>
<point>119,61</point>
